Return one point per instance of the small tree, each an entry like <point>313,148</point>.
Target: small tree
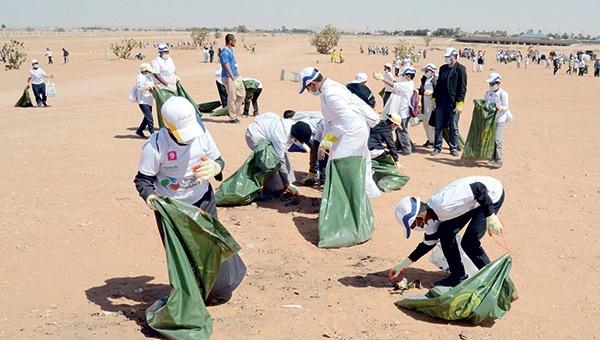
<point>14,55</point>
<point>123,50</point>
<point>200,36</point>
<point>402,50</point>
<point>427,40</point>
<point>325,40</point>
<point>217,34</point>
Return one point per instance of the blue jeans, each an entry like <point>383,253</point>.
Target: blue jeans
<point>39,91</point>
<point>446,117</point>
<point>148,120</point>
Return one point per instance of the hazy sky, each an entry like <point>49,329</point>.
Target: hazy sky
<point>573,16</point>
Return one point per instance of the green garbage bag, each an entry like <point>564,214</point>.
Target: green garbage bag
<point>345,216</point>
<point>250,86</point>
<point>25,100</point>
<point>481,140</point>
<point>382,92</point>
<point>243,186</point>
<point>209,106</point>
<point>385,175</point>
<point>220,112</point>
<point>461,141</point>
<point>487,294</point>
<point>162,95</point>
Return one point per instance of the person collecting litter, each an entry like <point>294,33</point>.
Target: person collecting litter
<point>143,83</point>
<point>499,97</point>
<point>359,87</point>
<point>428,82</point>
<point>164,69</point>
<point>475,200</point>
<point>399,104</point>
<point>347,132</point>
<point>178,161</point>
<point>380,134</point>
<point>281,133</point>
<point>35,80</point>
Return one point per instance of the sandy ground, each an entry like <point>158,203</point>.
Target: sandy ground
<point>78,243</point>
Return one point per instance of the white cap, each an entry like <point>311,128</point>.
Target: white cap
<point>360,78</point>
<point>146,67</point>
<point>408,70</point>
<point>180,118</point>
<point>388,65</point>
<point>307,75</point>
<point>430,67</point>
<point>406,213</point>
<point>494,77</point>
<point>34,61</point>
<point>162,48</point>
<point>450,51</point>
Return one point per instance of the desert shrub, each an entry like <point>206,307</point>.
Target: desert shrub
<point>200,36</point>
<point>326,39</point>
<point>124,48</point>
<point>13,52</point>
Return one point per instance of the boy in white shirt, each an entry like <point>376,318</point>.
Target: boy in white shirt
<point>499,97</point>
<point>36,78</point>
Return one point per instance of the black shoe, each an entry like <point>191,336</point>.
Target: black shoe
<point>454,153</point>
<point>450,281</point>
<point>234,121</point>
<point>140,134</point>
<point>435,152</point>
<point>45,105</point>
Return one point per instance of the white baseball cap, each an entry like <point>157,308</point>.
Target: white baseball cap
<point>163,48</point>
<point>34,61</point>
<point>307,75</point>
<point>406,213</point>
<point>408,70</point>
<point>388,65</point>
<point>450,51</point>
<point>494,77</point>
<point>360,78</point>
<point>180,118</point>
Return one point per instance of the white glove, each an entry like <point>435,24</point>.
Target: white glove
<point>207,169</point>
<point>294,189</point>
<point>399,166</point>
<point>172,88</point>
<point>493,224</point>
<point>399,269</point>
<point>149,201</point>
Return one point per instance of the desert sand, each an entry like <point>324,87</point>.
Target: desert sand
<point>81,256</point>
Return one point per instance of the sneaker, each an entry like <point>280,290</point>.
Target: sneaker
<point>435,152</point>
<point>428,145</point>
<point>140,134</point>
<point>450,281</point>
<point>454,153</point>
<point>245,115</point>
<point>495,164</point>
<point>234,121</point>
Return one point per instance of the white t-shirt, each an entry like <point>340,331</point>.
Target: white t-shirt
<point>388,75</point>
<point>37,76</point>
<point>142,83</point>
<point>172,163</point>
<point>500,98</point>
<point>404,90</point>
<point>273,128</point>
<point>166,69</point>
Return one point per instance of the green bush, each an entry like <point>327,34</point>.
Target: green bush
<point>123,50</point>
<point>325,40</point>
<point>14,55</point>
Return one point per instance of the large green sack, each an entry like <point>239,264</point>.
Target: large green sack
<point>385,175</point>
<point>162,95</point>
<point>25,100</point>
<point>209,106</point>
<point>487,294</point>
<point>224,111</point>
<point>481,140</point>
<point>250,86</point>
<point>243,186</point>
<point>345,216</point>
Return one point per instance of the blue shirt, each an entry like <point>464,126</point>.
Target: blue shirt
<point>227,57</point>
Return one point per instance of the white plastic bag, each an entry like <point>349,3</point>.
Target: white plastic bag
<point>438,259</point>
<point>133,94</point>
<point>50,90</point>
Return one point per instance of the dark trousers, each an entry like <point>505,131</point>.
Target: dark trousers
<point>596,72</point>
<point>232,271</point>
<point>148,120</point>
<point>254,101</point>
<point>222,93</point>
<point>211,57</point>
<point>470,243</point>
<point>444,117</point>
<point>39,91</point>
<point>50,60</point>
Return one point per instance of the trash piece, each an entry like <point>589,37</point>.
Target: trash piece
<point>291,306</point>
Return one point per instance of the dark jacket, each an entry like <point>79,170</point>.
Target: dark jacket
<point>363,92</point>
<point>456,85</point>
<point>381,133</point>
